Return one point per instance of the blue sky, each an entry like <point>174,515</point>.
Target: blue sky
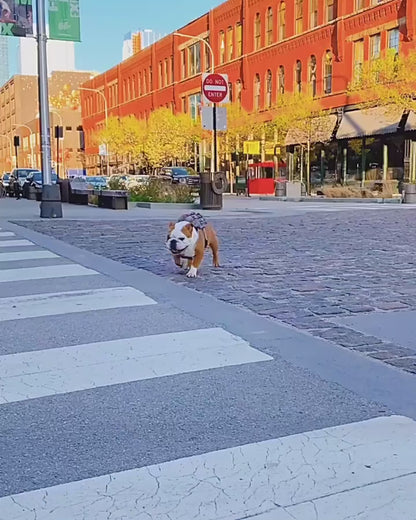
<point>104,24</point>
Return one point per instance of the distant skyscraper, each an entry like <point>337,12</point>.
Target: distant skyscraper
<point>61,56</point>
<point>4,60</point>
<point>135,42</point>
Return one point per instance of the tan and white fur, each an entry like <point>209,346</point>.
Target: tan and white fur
<point>188,244</point>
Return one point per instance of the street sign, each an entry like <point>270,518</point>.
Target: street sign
<point>207,117</point>
<point>102,150</point>
<point>215,88</point>
<point>64,21</point>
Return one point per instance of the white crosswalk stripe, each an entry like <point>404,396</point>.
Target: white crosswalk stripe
<point>6,234</point>
<point>55,371</point>
<point>362,470</point>
<point>39,273</point>
<point>287,478</point>
<point>26,255</point>
<point>53,304</point>
<point>16,243</point>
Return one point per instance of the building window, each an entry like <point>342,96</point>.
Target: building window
<point>328,72</point>
<point>298,76</point>
<point>183,64</point>
<point>375,46</point>
<point>269,31</point>
<point>299,17</point>
<point>171,70</point>
<point>257,32</point>
<point>140,84</point>
<point>184,105</point>
<point>313,22</point>
<point>269,88</point>
<point>394,40</point>
<point>358,59</point>
<point>330,10</point>
<point>230,92</point>
<point>161,75</point>
<point>359,4</point>
<point>239,90</point>
<point>239,39</point>
<point>375,2</point>
<point>281,80</point>
<point>222,46</point>
<point>312,75</point>
<point>257,92</point>
<point>282,21</point>
<point>207,54</point>
<point>194,57</point>
<point>134,86</point>
<point>230,43</point>
<point>194,106</point>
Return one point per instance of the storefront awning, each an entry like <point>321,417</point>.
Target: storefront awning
<point>411,122</point>
<point>320,130</point>
<point>373,121</point>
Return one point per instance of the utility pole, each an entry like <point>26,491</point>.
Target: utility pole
<point>51,206</point>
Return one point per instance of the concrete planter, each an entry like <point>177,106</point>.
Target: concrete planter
<point>162,205</point>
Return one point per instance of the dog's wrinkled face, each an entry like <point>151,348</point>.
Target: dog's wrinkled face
<point>180,237</point>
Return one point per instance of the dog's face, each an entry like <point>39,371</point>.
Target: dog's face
<point>180,237</point>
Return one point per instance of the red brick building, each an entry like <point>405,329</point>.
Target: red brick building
<point>265,46</point>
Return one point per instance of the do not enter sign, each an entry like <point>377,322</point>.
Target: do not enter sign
<point>215,88</point>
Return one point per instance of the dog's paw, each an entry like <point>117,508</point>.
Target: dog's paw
<point>192,272</point>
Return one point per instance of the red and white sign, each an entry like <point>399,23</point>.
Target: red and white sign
<point>215,88</point>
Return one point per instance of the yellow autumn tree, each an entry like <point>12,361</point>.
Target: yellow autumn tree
<point>300,119</point>
<point>388,81</point>
<point>241,126</point>
<point>170,137</point>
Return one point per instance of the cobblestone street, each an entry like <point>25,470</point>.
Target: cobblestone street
<point>314,272</point>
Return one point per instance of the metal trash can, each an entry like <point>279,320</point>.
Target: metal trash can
<point>409,194</point>
<point>281,189</point>
<point>64,185</point>
<point>213,186</point>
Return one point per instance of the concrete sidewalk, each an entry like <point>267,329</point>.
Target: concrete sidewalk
<point>167,403</point>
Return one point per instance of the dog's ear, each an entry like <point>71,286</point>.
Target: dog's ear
<point>171,226</point>
<point>188,230</point>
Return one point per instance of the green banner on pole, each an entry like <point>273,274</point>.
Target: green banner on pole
<point>64,22</point>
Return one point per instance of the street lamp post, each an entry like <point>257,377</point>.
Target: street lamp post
<point>106,117</point>
<point>51,206</point>
<point>208,46</point>
<point>32,155</point>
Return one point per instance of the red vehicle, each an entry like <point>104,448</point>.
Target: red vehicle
<point>262,177</point>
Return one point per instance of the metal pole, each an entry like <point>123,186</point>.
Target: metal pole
<point>16,151</point>
<point>57,135</point>
<point>51,206</point>
<point>214,126</point>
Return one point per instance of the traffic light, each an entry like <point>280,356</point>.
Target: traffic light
<point>16,141</point>
<point>59,132</point>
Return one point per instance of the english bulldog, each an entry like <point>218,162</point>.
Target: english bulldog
<point>187,241</point>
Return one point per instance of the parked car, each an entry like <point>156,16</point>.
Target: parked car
<point>181,175</point>
<point>5,184</point>
<point>35,179</point>
<point>21,175</point>
<point>97,183</point>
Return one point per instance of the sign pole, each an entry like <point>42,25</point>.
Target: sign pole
<point>51,206</point>
<point>214,125</point>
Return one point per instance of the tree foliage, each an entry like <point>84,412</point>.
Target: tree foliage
<point>388,81</point>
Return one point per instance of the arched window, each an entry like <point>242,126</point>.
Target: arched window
<point>298,76</point>
<point>230,92</point>
<point>269,31</point>
<point>282,21</point>
<point>312,75</point>
<point>281,79</point>
<point>269,88</point>
<point>313,19</point>
<point>257,92</point>
<point>222,46</point>
<point>257,32</point>
<point>299,17</point>
<point>239,90</point>
<point>230,43</point>
<point>328,72</point>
